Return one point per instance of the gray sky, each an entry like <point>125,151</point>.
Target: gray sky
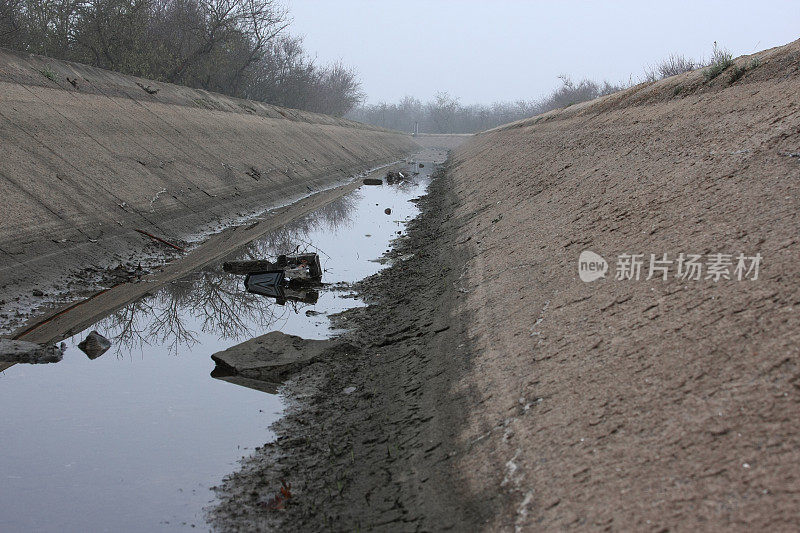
<point>486,51</point>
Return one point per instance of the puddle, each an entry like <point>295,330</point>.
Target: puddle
<point>134,439</point>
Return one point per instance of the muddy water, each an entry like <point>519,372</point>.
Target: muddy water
<point>135,439</point>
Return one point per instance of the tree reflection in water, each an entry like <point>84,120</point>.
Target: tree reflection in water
<point>214,302</point>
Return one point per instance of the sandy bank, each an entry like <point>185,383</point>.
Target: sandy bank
<point>638,404</point>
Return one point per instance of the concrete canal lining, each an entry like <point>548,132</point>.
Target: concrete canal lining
<point>90,156</point>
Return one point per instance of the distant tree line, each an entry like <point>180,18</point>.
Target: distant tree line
<point>444,113</point>
<point>235,47</point>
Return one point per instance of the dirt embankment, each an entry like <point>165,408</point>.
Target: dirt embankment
<point>496,390</point>
<point>638,404</point>
<point>366,443</point>
<point>89,155</point>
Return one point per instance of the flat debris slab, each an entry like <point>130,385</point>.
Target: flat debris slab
<point>272,357</point>
<point>13,351</point>
<point>247,267</point>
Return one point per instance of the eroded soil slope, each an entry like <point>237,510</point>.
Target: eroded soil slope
<point>638,404</point>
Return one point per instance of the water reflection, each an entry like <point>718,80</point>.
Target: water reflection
<point>217,302</point>
<point>251,383</point>
<point>160,430</point>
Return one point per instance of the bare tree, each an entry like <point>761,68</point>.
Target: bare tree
<point>442,111</point>
<point>339,90</point>
<point>10,23</point>
<point>236,47</point>
<point>113,34</point>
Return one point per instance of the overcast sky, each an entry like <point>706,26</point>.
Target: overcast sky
<point>486,51</point>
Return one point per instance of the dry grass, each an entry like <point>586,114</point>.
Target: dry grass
<point>721,59</point>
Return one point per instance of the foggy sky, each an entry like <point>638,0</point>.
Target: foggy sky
<point>487,51</point>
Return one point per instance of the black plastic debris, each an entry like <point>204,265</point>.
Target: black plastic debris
<point>274,285</point>
<point>394,177</point>
<point>266,283</point>
<point>295,266</point>
<point>246,267</point>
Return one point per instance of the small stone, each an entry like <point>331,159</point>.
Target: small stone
<point>349,390</point>
<point>37,293</point>
<point>387,211</point>
<point>94,345</point>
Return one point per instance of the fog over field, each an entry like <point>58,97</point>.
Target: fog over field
<point>507,50</point>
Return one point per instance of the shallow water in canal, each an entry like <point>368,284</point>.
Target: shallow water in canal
<point>135,439</point>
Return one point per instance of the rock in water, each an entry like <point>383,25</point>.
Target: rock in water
<point>12,351</point>
<point>274,356</point>
<point>94,345</point>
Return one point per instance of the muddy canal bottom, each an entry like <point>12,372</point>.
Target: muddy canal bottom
<point>135,439</point>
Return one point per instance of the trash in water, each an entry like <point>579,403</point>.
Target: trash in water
<point>296,267</point>
<point>94,345</point>
<point>266,283</point>
<point>394,177</point>
<point>246,267</point>
<point>14,351</point>
<point>274,285</point>
<point>387,211</point>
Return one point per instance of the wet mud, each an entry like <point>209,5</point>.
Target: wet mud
<point>371,429</point>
